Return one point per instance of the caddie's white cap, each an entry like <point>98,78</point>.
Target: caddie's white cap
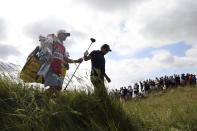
<point>62,31</point>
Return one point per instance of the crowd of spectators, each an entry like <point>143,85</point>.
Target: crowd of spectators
<point>143,88</point>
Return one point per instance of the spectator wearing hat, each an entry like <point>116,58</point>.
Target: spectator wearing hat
<point>98,67</point>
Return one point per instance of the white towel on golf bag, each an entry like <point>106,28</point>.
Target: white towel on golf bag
<point>44,69</point>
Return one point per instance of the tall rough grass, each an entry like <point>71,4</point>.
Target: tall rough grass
<point>175,109</point>
<point>24,108</point>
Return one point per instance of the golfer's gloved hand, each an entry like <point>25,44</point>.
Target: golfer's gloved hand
<point>86,53</point>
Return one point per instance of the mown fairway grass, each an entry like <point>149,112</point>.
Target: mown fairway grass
<point>175,109</point>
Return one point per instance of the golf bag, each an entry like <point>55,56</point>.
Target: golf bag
<point>38,59</point>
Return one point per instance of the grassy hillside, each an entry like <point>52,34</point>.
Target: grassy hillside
<point>23,108</point>
<point>175,109</point>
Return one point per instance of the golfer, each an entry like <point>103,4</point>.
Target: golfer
<point>98,66</point>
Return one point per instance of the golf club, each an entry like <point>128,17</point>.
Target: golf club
<point>92,41</point>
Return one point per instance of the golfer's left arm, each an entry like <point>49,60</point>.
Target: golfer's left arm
<point>107,78</point>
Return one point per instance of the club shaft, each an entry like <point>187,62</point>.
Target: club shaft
<point>76,69</point>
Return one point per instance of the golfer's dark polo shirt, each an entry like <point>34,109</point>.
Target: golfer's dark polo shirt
<point>98,62</point>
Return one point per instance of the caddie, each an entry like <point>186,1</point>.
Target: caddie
<point>54,78</point>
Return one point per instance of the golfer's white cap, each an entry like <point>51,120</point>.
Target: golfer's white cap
<point>62,31</point>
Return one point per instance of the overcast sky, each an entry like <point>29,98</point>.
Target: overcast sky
<point>149,38</point>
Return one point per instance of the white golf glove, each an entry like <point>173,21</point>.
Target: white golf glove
<point>86,53</point>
